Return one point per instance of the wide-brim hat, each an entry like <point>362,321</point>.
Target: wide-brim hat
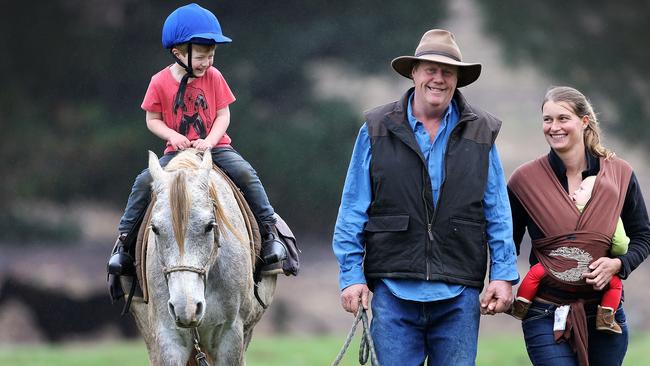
<point>439,45</point>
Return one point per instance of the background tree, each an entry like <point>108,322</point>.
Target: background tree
<point>597,46</point>
<point>76,73</point>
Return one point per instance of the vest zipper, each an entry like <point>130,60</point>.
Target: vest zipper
<point>429,249</point>
<point>429,245</point>
<point>430,220</point>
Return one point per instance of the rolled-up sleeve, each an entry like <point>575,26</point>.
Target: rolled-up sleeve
<point>347,242</point>
<point>503,257</point>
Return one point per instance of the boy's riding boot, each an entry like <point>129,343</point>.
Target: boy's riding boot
<point>273,251</point>
<point>605,320</point>
<point>519,308</point>
<point>121,262</point>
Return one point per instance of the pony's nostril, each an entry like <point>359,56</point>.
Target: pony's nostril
<point>199,310</point>
<point>172,312</point>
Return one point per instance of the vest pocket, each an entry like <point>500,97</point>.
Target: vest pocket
<point>467,248</point>
<point>388,245</point>
<point>387,223</point>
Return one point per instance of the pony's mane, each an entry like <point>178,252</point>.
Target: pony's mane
<point>181,202</point>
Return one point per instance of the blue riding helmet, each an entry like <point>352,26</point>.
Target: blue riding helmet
<point>192,23</point>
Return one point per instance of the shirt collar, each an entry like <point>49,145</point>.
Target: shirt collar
<point>413,121</point>
<point>593,167</point>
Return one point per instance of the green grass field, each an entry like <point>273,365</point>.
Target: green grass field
<point>276,351</point>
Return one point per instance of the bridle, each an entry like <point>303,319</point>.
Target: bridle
<point>201,271</point>
<point>200,357</point>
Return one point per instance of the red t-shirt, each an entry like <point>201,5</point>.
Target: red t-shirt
<point>204,96</point>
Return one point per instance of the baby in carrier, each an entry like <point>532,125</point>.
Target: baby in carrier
<point>611,296</point>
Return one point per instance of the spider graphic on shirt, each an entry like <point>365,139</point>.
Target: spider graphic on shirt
<point>195,113</point>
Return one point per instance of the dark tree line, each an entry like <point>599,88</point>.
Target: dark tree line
<point>598,46</point>
<point>76,73</point>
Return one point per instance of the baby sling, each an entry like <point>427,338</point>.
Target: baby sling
<point>572,240</point>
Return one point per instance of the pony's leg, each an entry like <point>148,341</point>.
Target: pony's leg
<point>230,350</point>
<point>266,290</point>
<point>168,349</point>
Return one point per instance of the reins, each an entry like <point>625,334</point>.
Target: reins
<point>366,348</point>
<point>200,356</point>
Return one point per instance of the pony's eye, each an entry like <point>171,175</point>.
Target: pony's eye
<point>210,226</point>
<point>155,230</point>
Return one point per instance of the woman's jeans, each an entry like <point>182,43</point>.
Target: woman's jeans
<point>229,160</point>
<point>406,332</point>
<point>605,349</point>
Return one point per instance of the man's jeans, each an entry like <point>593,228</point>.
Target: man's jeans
<point>406,332</point>
<point>605,349</point>
<point>229,160</point>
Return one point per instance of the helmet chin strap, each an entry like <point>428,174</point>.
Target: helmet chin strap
<point>179,99</point>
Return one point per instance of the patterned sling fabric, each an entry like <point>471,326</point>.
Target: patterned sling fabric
<point>573,240</point>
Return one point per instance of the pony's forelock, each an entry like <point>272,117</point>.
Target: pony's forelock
<point>180,204</point>
<point>180,200</point>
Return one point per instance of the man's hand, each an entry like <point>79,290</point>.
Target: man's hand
<point>602,271</point>
<point>498,297</point>
<point>351,295</point>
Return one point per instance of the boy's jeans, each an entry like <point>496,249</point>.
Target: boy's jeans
<point>605,349</point>
<point>406,332</point>
<point>229,160</point>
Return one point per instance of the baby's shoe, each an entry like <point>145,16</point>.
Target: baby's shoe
<point>519,308</point>
<point>605,320</point>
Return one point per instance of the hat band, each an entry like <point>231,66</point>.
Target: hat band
<point>438,53</point>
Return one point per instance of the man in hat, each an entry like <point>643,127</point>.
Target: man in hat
<point>424,199</point>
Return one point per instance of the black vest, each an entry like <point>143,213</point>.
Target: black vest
<point>406,235</point>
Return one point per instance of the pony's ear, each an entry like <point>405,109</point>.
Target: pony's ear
<point>155,169</point>
<point>206,163</point>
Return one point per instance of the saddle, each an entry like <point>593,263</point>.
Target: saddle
<point>290,266</point>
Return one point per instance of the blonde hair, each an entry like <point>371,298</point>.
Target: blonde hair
<point>183,47</point>
<point>581,107</point>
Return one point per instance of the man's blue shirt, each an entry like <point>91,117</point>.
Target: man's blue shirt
<point>348,243</point>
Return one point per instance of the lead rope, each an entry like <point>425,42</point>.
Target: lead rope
<point>200,356</point>
<point>367,347</point>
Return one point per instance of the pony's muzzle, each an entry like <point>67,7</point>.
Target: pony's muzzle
<point>187,316</point>
<point>186,303</point>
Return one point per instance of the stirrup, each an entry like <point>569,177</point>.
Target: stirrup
<point>273,250</point>
<point>121,263</point>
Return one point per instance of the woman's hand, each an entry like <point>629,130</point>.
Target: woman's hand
<point>602,271</point>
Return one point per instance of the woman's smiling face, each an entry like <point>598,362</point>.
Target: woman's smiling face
<point>563,129</point>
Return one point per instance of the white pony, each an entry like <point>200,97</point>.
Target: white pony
<point>198,267</point>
